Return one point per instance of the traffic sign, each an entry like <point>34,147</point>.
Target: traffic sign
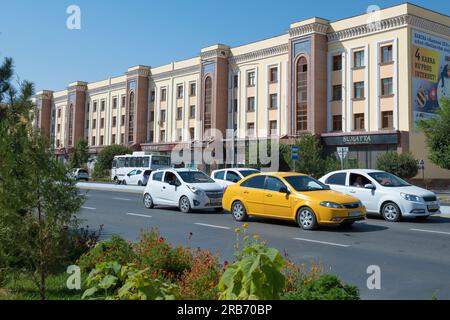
<point>420,164</point>
<point>294,153</point>
<point>342,152</point>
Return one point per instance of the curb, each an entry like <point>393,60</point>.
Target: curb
<point>110,187</point>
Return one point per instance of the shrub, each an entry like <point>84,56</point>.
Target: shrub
<point>106,156</point>
<point>403,165</point>
<point>327,287</point>
<point>115,249</point>
<point>298,276</point>
<point>160,258</point>
<point>200,282</point>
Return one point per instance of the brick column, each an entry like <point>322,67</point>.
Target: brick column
<point>77,97</point>
<point>44,101</point>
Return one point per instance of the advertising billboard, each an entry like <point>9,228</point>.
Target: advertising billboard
<point>430,73</point>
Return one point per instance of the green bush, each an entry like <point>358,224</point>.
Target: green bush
<point>115,249</point>
<point>156,254</point>
<point>402,165</point>
<point>327,287</point>
<point>106,156</point>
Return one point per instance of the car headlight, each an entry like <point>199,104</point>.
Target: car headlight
<point>330,204</point>
<point>411,197</point>
<point>195,190</point>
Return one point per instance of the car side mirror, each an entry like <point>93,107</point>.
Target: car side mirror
<point>369,186</point>
<point>284,190</point>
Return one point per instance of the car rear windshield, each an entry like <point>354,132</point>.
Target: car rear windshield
<point>248,172</point>
<point>195,177</point>
<point>305,183</point>
<point>387,179</point>
<point>82,171</point>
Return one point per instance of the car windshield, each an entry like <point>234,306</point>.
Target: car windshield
<point>82,171</point>
<point>387,179</point>
<point>248,172</point>
<point>305,183</point>
<point>195,177</point>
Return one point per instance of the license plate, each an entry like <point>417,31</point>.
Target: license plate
<point>354,214</point>
<point>433,207</point>
<point>214,203</point>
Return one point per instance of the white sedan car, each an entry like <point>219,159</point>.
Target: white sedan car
<point>229,176</point>
<point>184,188</point>
<point>384,193</point>
<point>136,177</point>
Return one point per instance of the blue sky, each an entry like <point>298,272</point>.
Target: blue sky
<point>116,34</point>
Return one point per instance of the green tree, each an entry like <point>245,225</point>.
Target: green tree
<point>105,158</point>
<point>250,163</point>
<point>80,155</point>
<point>38,201</point>
<point>437,133</point>
<point>403,165</point>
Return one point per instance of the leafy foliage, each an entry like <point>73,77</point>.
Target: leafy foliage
<point>437,133</point>
<point>105,158</point>
<point>80,155</point>
<point>326,287</point>
<point>403,165</point>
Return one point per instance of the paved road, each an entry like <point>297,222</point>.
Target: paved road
<point>414,257</point>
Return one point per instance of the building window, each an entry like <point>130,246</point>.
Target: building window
<point>151,136</point>
<point>208,103</point>
<point>251,104</point>
<point>114,122</point>
<point>337,92</point>
<point>162,116</point>
<point>387,120</point>
<point>179,136</point>
<point>179,113</point>
<point>251,79</point>
<point>358,89</point>
<point>337,62</point>
<point>193,89</point>
<point>386,54</point>
<point>94,123</point>
<point>58,128</point>
<point>302,95</point>
<point>101,140</point>
<point>192,112</point>
<point>122,137</point>
<point>337,123</point>
<point>102,108</point>
<point>152,96</point>
<point>71,125</point>
<point>235,81</point>
<point>273,127</point>
<point>131,118</point>
<point>386,87</point>
<point>235,105</point>
<point>180,92</point>
<point>163,94</point>
<point>113,139</point>
<point>122,123</point>
<point>93,141</point>
<point>358,59</point>
<point>358,121</point>
<point>163,136</point>
<point>250,129</point>
<point>115,103</point>
<point>59,113</point>
<point>102,123</point>
<point>88,106</point>
<point>152,116</point>
<point>192,133</point>
<point>273,101</point>
<point>273,74</point>
<point>123,101</point>
<point>57,143</point>
<point>95,106</point>
<point>87,124</point>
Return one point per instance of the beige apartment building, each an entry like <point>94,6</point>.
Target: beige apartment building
<point>360,82</point>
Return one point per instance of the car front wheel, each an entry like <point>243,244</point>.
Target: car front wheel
<point>238,211</point>
<point>185,205</point>
<point>148,201</point>
<point>306,219</point>
<point>391,212</point>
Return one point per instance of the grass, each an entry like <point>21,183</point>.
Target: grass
<point>20,286</point>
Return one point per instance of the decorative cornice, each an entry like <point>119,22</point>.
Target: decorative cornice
<point>109,87</point>
<point>260,54</point>
<point>141,72</point>
<point>390,23</point>
<point>308,29</point>
<point>216,53</point>
<point>175,73</point>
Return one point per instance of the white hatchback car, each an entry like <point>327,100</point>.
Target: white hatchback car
<point>384,193</point>
<point>136,177</point>
<point>229,176</point>
<point>186,189</point>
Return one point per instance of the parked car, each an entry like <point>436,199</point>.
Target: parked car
<point>136,177</point>
<point>186,189</point>
<point>79,174</point>
<point>228,177</point>
<point>291,196</point>
<point>384,194</point>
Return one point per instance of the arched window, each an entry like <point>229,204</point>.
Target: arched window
<point>208,102</point>
<point>302,95</point>
<point>71,125</point>
<point>131,118</point>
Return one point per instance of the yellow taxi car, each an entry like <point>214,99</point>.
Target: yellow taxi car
<point>291,196</point>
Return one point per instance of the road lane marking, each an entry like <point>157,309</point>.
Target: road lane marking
<point>430,231</point>
<point>88,208</point>
<point>138,215</point>
<point>122,199</point>
<point>323,242</point>
<point>212,226</point>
